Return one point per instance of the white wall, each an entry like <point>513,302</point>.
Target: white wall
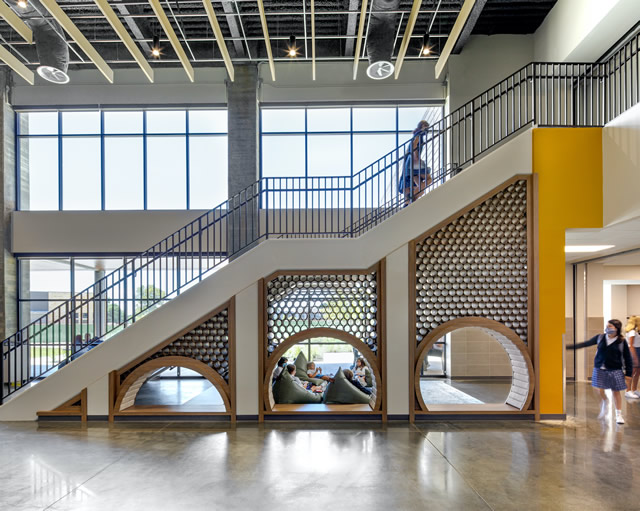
<point>582,30</point>
<point>485,61</point>
<point>247,346</point>
<point>334,82</point>
<point>633,300</point>
<point>130,87</point>
<point>115,232</point>
<point>397,296</point>
<point>511,159</point>
<point>621,167</point>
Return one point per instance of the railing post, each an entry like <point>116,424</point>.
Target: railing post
<point>199,247</point>
<point>534,97</point>
<point>265,182</point>
<point>473,134</point>
<point>2,370</point>
<point>351,205</point>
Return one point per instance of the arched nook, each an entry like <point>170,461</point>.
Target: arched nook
<point>521,390</point>
<point>307,311</point>
<point>190,373</point>
<point>125,403</point>
<point>376,395</point>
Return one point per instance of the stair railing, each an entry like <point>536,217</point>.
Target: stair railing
<point>545,94</point>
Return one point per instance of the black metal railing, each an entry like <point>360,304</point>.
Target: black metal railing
<point>545,94</point>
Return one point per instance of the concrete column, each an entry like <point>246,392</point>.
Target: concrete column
<point>8,267</point>
<point>244,132</point>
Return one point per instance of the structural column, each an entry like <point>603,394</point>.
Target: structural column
<point>8,266</point>
<point>243,129</point>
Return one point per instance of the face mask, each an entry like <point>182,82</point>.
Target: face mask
<point>610,331</point>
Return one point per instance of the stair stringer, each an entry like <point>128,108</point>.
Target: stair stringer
<point>511,159</point>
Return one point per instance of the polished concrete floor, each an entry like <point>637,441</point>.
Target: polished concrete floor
<point>582,464</point>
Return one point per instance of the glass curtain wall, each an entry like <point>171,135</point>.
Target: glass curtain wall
<point>122,160</point>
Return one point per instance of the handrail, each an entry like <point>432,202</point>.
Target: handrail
<point>546,94</point>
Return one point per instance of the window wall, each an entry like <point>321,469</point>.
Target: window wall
<point>122,160</point>
<point>335,140</point>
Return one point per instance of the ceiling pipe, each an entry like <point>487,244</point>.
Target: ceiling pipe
<point>381,38</point>
<point>53,52</point>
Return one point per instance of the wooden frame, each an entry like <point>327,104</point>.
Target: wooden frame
<point>530,349</point>
<point>311,334</point>
<point>117,389</point>
<point>124,403</point>
<point>467,322</point>
<point>70,408</point>
<point>378,363</point>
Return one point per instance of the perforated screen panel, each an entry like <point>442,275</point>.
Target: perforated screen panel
<point>344,302</point>
<point>477,266</point>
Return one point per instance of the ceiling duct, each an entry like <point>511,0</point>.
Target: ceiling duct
<point>51,45</point>
<point>381,38</point>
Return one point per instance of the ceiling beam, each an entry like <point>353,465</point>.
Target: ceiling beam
<point>461,20</point>
<point>352,23</point>
<point>124,36</point>
<point>74,32</point>
<point>232,23</point>
<point>211,13</point>
<point>469,26</point>
<point>356,56</point>
<point>173,38</point>
<point>411,23</point>
<point>267,41</point>
<point>313,39</point>
<point>7,57</point>
<point>16,23</point>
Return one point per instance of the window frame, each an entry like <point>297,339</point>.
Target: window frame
<point>351,106</point>
<point>102,135</point>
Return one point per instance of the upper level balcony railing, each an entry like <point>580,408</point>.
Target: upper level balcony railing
<point>544,94</point>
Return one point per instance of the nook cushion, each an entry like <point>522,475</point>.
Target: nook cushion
<point>286,391</point>
<point>341,391</point>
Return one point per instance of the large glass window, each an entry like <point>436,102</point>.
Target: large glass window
<point>122,160</point>
<point>334,141</point>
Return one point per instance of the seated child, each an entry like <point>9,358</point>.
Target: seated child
<point>355,382</point>
<point>361,371</point>
<point>305,385</point>
<point>281,363</point>
<point>312,372</point>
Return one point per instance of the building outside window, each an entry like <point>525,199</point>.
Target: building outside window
<point>122,160</point>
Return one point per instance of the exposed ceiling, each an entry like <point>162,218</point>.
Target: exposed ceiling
<point>336,28</point>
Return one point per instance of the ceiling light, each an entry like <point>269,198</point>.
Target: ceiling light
<point>426,49</point>
<point>292,50</point>
<point>22,4</point>
<point>586,248</point>
<point>155,48</point>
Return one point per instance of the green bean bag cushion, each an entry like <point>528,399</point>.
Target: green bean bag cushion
<point>301,370</point>
<point>343,392</point>
<point>368,377</point>
<point>286,391</point>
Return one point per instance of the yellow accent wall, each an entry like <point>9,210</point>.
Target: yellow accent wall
<point>568,165</point>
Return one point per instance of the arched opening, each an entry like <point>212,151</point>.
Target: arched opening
<point>332,350</point>
<point>482,366</point>
<point>189,387</point>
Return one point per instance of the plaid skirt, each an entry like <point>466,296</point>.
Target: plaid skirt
<point>605,379</point>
